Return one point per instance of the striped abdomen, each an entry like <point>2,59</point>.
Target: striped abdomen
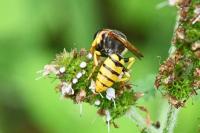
<point>108,73</point>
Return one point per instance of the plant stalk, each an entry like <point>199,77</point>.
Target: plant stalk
<point>140,121</point>
<point>171,120</point>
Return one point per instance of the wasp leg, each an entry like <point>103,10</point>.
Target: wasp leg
<point>92,49</point>
<point>130,62</point>
<point>126,78</point>
<point>96,54</point>
<point>93,69</point>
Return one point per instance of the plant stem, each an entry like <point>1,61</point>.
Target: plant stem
<point>172,113</point>
<point>171,120</point>
<point>140,121</point>
<point>181,53</point>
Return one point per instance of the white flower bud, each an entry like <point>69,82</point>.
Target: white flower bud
<point>97,102</point>
<point>110,94</point>
<point>75,80</point>
<point>89,56</point>
<point>79,75</point>
<point>62,69</point>
<point>83,64</point>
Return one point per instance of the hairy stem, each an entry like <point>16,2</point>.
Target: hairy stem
<point>171,120</point>
<point>140,121</point>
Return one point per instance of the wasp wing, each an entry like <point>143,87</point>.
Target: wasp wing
<point>126,44</point>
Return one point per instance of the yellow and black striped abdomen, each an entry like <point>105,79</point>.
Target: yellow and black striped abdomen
<point>108,73</point>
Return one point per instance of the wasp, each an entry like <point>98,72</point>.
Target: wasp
<point>112,44</point>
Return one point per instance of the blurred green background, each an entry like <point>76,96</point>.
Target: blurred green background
<point>33,31</point>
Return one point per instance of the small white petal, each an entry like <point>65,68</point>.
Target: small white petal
<point>75,80</point>
<point>50,69</point>
<point>83,64</point>
<point>89,56</point>
<point>166,80</point>
<point>110,93</point>
<point>67,89</point>
<point>92,86</point>
<point>108,117</point>
<point>79,75</point>
<point>62,69</point>
<point>97,102</point>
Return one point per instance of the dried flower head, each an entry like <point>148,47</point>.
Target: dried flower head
<point>177,77</point>
<point>80,96</point>
<point>66,89</point>
<point>176,103</point>
<point>50,69</point>
<point>72,69</point>
<point>180,33</point>
<point>197,10</point>
<point>197,72</point>
<point>196,45</point>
